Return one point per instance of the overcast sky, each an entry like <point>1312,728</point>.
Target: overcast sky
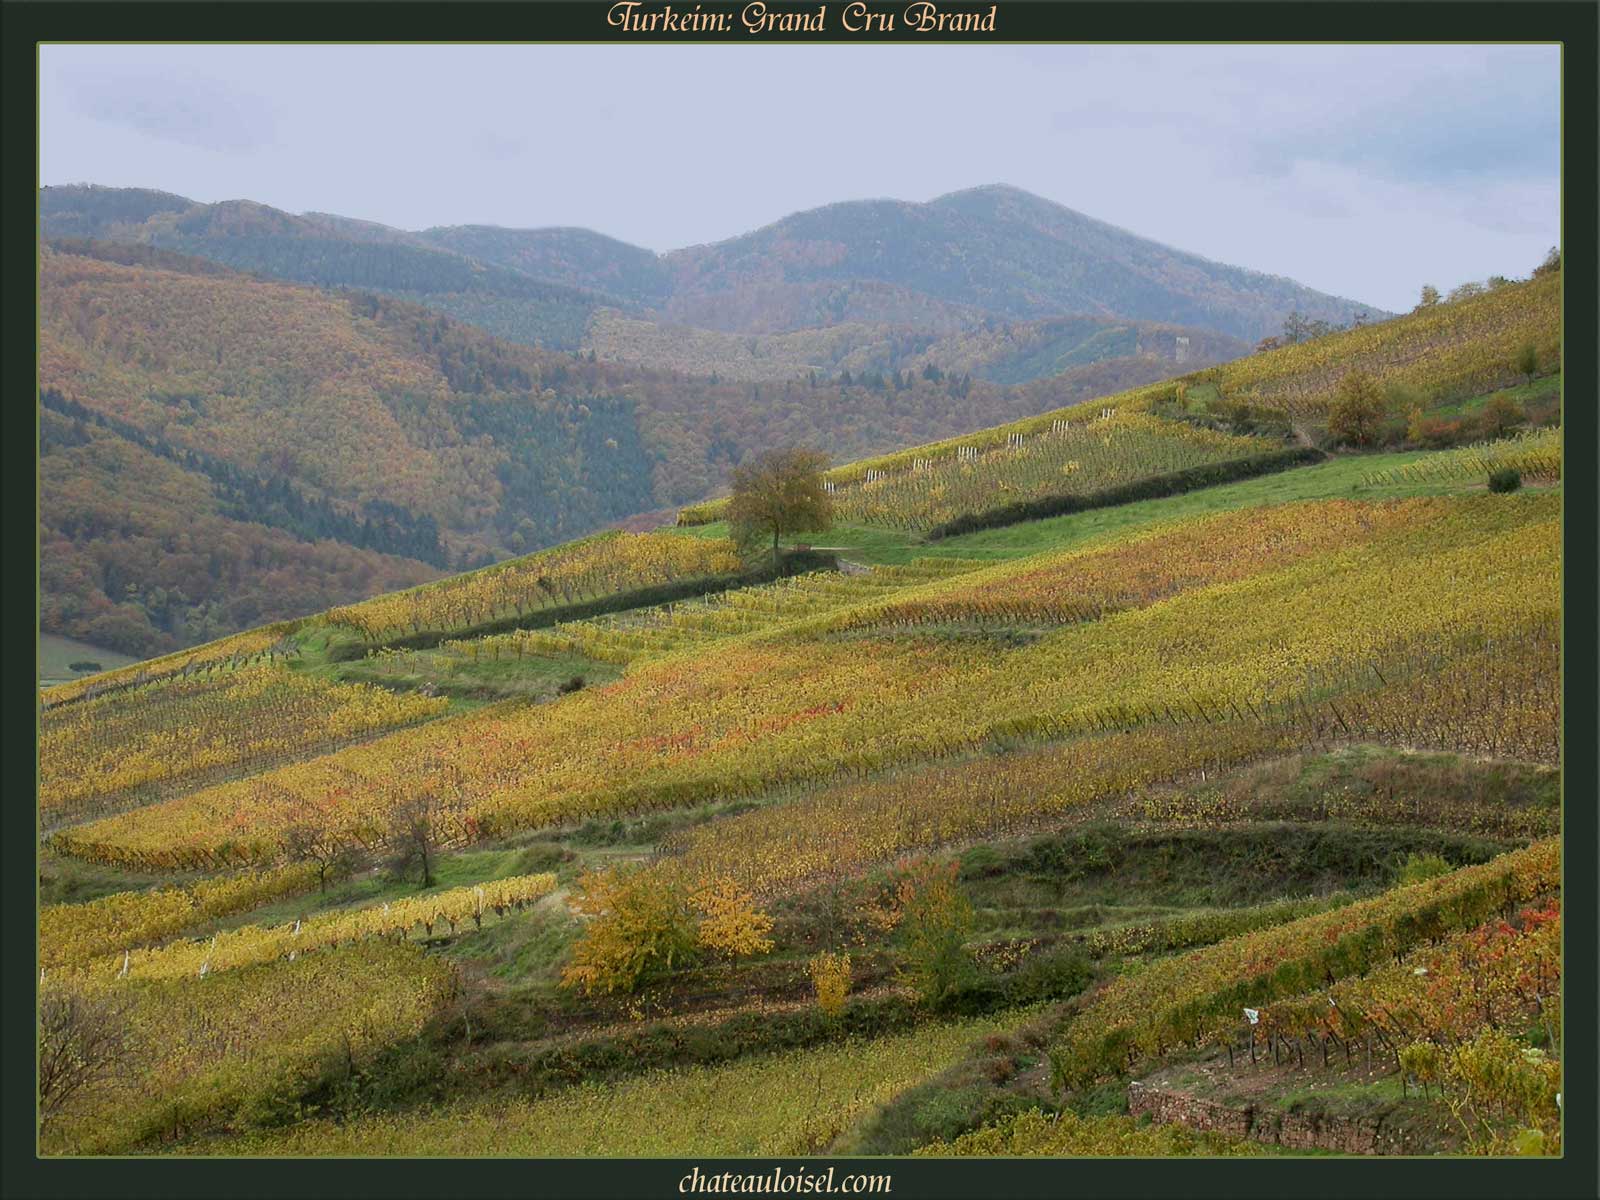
<point>1362,171</point>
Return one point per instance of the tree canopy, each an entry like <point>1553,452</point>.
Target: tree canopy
<point>780,492</point>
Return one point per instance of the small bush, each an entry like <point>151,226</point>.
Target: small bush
<point>574,684</point>
<point>85,665</point>
<point>1103,1100</point>
<point>971,995</point>
<point>1506,479</point>
<point>982,862</point>
<point>730,922</point>
<point>1528,360</point>
<point>542,856</point>
<point>1418,867</point>
<point>1501,415</point>
<point>594,832</point>
<point>1391,430</point>
<point>1437,433</point>
<point>1402,397</point>
<point>937,920</point>
<point>830,975</point>
<point>1051,975</point>
<point>1544,411</point>
<point>641,927</point>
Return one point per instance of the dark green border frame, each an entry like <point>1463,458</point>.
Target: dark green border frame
<point>1570,22</point>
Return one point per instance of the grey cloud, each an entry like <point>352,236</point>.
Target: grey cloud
<point>1359,170</point>
<point>1462,129</point>
<point>189,111</point>
<point>496,146</point>
<point>1102,117</point>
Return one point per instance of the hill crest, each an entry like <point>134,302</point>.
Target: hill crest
<point>988,252</point>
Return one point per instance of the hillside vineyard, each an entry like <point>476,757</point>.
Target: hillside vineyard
<point>1147,743</point>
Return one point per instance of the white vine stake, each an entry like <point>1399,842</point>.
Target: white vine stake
<point>123,974</point>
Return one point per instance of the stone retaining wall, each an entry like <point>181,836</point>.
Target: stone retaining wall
<point>1299,1131</point>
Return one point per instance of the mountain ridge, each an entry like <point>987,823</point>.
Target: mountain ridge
<point>994,249</point>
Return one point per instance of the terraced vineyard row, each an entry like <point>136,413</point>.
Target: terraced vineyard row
<point>1192,999</point>
<point>1079,458</point>
<point>251,945</point>
<point>1489,694</point>
<point>228,1047</point>
<point>1449,351</point>
<point>1067,1135</point>
<point>1089,582</point>
<point>1535,455</point>
<point>790,1103</point>
<point>1476,694</point>
<point>118,750</point>
<point>998,437</point>
<point>776,709</point>
<point>606,564</point>
<point>670,628</point>
<point>230,653</point>
<point>1076,452</point>
<point>844,830</point>
<point>73,934</point>
<point>1490,976</point>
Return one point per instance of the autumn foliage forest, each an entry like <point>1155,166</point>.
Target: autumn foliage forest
<point>247,415</point>
<point>226,444</point>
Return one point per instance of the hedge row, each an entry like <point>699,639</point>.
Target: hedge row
<point>1154,487</point>
<point>1050,975</point>
<point>795,562</point>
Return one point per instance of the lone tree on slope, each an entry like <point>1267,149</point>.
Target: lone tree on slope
<point>777,493</point>
<point>1358,410</point>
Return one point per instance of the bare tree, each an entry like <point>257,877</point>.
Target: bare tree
<point>84,1041</point>
<point>313,836</point>
<point>305,842</point>
<point>419,825</point>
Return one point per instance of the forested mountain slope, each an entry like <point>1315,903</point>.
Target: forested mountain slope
<point>996,249</point>
<point>332,422</point>
<point>311,430</point>
<point>1056,348</point>
<point>968,259</point>
<point>329,251</point>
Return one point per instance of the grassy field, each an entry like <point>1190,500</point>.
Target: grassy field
<point>57,653</point>
<point>1338,477</point>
